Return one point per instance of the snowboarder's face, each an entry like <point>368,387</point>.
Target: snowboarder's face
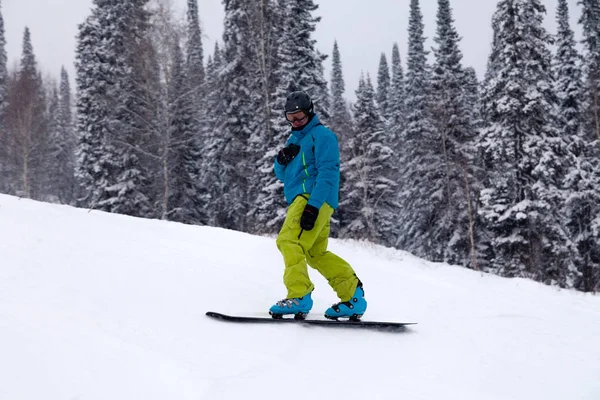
<point>297,119</point>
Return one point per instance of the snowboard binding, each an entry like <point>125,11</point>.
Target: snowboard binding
<point>351,318</point>
<point>301,316</point>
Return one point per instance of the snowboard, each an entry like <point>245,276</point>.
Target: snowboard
<point>377,325</point>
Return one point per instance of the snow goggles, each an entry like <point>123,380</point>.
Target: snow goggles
<point>295,116</point>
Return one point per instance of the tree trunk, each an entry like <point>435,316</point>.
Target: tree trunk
<point>471,219</point>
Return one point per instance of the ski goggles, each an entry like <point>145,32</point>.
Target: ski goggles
<point>296,116</point>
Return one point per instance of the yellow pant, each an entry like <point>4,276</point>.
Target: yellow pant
<point>300,247</point>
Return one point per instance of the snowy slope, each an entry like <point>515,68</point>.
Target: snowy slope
<point>99,306</point>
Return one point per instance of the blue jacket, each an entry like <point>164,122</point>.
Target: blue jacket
<point>316,168</point>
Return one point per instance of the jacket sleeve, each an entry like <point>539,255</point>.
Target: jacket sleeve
<point>327,160</point>
<point>279,170</point>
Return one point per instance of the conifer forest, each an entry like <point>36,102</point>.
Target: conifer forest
<point>499,174</point>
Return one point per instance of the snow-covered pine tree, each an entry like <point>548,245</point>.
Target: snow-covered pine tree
<point>322,92</point>
<point>62,143</point>
<point>370,200</point>
<point>128,192</point>
<point>278,25</point>
<point>455,222</point>
<point>26,121</point>
<point>471,92</point>
<point>268,24</point>
<point>3,72</point>
<point>582,199</point>
<point>300,67</point>
<point>149,116</point>
<point>521,149</point>
<point>492,61</point>
<point>50,185</point>
<point>3,106</point>
<point>352,224</point>
<point>590,22</point>
<point>270,203</point>
<point>195,51</point>
<point>340,121</point>
<point>240,93</point>
<point>95,67</point>
<point>569,77</point>
<point>384,87</point>
<point>199,112</point>
<point>397,98</point>
<point>214,104</point>
<point>150,64</point>
<point>67,154</point>
<point>216,62</point>
<point>267,21</point>
<point>156,70</point>
<point>187,198</point>
<point>114,111</point>
<point>300,64</point>
<point>212,135</point>
<point>582,212</point>
<point>420,166</point>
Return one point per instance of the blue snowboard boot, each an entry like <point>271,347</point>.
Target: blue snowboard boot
<point>352,309</point>
<point>299,307</point>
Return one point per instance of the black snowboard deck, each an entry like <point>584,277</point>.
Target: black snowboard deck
<point>376,325</point>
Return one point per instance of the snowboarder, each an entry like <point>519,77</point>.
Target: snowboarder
<point>309,167</point>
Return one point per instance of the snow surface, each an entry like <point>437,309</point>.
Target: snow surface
<point>100,306</point>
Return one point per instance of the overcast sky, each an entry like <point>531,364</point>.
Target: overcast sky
<point>363,28</point>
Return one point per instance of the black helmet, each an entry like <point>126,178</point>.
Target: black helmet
<point>298,101</point>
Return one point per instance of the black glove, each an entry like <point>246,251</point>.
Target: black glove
<point>309,217</point>
<point>287,154</point>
